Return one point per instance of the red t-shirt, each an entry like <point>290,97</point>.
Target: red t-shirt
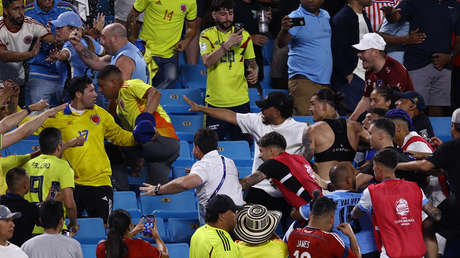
<point>312,242</point>
<point>393,74</point>
<point>138,248</point>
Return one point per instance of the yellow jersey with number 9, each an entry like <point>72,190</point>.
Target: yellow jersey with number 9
<point>163,23</point>
<point>226,85</point>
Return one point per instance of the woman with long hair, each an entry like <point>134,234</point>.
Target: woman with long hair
<point>119,243</point>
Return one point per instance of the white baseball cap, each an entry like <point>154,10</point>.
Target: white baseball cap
<point>456,116</point>
<point>371,40</point>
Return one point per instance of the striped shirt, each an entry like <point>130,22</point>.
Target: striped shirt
<point>374,13</point>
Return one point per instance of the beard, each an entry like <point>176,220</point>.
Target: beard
<point>16,21</point>
<point>224,25</point>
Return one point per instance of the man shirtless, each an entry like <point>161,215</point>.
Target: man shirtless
<point>331,139</point>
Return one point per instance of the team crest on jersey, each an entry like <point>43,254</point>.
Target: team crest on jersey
<point>122,104</point>
<point>95,119</point>
<point>402,207</point>
<point>183,8</point>
<point>28,40</point>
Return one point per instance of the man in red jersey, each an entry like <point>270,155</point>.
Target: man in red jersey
<point>317,240</point>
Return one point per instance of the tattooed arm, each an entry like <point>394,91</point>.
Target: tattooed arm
<point>89,58</point>
<point>432,211</point>
<point>131,25</point>
<point>252,180</point>
<point>253,70</point>
<point>308,144</point>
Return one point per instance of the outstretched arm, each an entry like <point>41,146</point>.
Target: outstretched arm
<point>252,179</point>
<point>223,114</point>
<point>88,57</point>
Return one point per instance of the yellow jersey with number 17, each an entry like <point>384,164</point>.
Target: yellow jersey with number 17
<point>90,161</point>
<point>226,85</point>
<point>163,23</point>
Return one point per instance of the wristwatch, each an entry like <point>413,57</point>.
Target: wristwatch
<point>156,189</point>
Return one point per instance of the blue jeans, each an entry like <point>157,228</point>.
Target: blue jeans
<point>167,72</point>
<point>44,89</point>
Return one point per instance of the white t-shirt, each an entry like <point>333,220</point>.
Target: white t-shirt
<point>12,251</point>
<point>252,123</point>
<point>416,146</point>
<point>359,70</point>
<point>52,245</point>
<point>19,41</point>
<point>210,169</point>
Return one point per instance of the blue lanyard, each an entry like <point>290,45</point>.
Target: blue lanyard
<point>221,181</point>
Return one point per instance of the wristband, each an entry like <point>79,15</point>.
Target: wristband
<point>27,108</point>
<point>157,189</point>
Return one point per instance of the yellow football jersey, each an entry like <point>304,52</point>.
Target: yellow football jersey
<point>90,161</point>
<point>43,170</point>
<point>163,23</point>
<point>7,163</point>
<point>226,85</point>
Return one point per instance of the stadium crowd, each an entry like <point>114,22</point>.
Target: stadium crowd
<point>369,177</point>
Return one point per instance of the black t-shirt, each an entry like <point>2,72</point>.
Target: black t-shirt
<point>277,170</point>
<point>423,126</point>
<point>447,157</point>
<point>25,224</point>
<point>407,175</point>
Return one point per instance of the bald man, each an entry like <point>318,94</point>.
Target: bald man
<point>120,52</point>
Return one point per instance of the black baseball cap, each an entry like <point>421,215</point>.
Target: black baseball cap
<point>413,96</point>
<point>220,204</point>
<point>278,100</point>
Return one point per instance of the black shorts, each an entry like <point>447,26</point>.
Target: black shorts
<point>448,226</point>
<point>96,200</point>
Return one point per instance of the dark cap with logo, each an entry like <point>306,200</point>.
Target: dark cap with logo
<point>413,96</point>
<point>220,204</point>
<point>278,100</point>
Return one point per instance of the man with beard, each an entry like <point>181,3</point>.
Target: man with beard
<point>226,51</point>
<point>276,116</point>
<point>20,38</point>
<point>93,188</point>
<point>380,69</point>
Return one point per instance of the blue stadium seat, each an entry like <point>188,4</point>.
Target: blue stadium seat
<point>89,251</point>
<point>170,202</point>
<point>182,60</point>
<point>126,200</point>
<point>308,119</point>
<point>136,181</point>
<point>265,92</point>
<point>244,171</point>
<point>179,225</point>
<point>178,172</point>
<point>267,53</point>
<point>91,231</point>
<point>193,76</point>
<point>253,97</point>
<point>441,127</point>
<point>179,250</point>
<point>185,158</point>
<point>173,101</point>
<point>266,83</point>
<point>238,151</point>
<point>22,147</point>
<point>186,125</point>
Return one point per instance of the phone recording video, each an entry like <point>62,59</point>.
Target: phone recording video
<point>299,21</point>
<point>55,188</point>
<point>149,221</point>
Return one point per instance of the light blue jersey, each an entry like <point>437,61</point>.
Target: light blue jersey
<point>346,201</point>
<point>141,71</point>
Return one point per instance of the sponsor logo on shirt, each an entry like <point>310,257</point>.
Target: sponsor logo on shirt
<point>95,119</point>
<point>402,207</point>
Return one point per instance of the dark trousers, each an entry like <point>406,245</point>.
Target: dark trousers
<point>227,131</point>
<point>455,91</point>
<point>96,200</point>
<point>353,93</point>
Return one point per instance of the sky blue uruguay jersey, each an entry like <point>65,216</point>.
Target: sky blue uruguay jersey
<point>346,201</point>
<point>141,71</point>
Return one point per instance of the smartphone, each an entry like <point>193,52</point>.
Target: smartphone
<point>299,21</point>
<point>238,26</point>
<point>55,188</point>
<point>149,221</point>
